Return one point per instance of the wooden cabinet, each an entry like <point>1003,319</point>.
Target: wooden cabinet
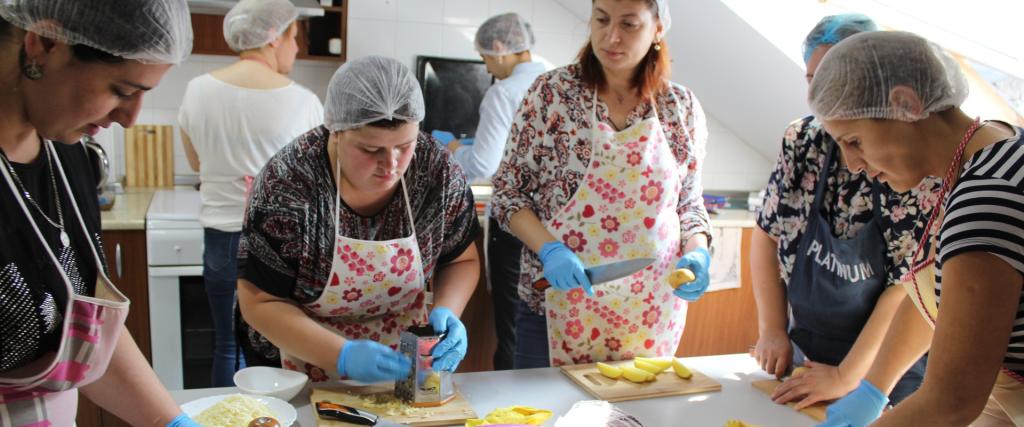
<point>125,252</point>
<point>723,322</point>
<point>313,38</point>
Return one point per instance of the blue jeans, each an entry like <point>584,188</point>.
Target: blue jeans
<point>220,275</point>
<point>531,339</point>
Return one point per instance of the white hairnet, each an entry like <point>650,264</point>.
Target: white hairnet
<point>664,15</point>
<point>510,31</point>
<point>252,24</point>
<point>856,77</point>
<point>369,89</point>
<point>149,31</point>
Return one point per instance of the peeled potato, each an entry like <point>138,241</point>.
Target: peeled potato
<point>648,366</point>
<point>798,371</point>
<point>681,276</point>
<point>681,370</point>
<point>662,363</point>
<point>609,371</point>
<point>737,423</point>
<point>635,374</point>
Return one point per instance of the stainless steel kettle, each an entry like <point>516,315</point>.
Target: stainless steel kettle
<point>99,160</point>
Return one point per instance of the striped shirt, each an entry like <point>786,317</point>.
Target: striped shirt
<point>985,213</point>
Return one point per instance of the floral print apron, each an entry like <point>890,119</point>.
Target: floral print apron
<point>375,291</point>
<point>625,209</point>
<point>44,393</point>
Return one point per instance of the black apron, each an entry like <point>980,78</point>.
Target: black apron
<point>836,283</point>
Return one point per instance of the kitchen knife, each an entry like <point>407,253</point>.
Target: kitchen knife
<point>606,272</point>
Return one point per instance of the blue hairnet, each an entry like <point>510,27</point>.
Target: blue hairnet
<point>833,29</point>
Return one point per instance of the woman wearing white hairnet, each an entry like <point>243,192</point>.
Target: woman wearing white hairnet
<point>828,253</point>
<point>504,42</point>
<point>897,118</point>
<point>232,121</point>
<point>345,227</point>
<point>72,68</point>
<point>603,165</point>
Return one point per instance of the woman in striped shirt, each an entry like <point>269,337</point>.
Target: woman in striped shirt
<point>897,118</point>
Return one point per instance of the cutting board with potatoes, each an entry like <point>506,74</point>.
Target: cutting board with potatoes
<point>666,383</point>
<point>816,411</point>
<point>455,412</point>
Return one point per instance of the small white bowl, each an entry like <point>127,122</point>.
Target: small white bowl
<point>275,382</point>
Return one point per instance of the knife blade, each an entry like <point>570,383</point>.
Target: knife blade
<point>606,272</point>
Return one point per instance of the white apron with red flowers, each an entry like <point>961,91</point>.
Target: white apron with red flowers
<point>375,291</point>
<point>624,209</point>
<point>45,392</point>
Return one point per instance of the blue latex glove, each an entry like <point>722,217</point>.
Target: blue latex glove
<point>697,261</point>
<point>371,362</point>
<point>859,408</point>
<point>450,351</point>
<point>444,137</point>
<point>563,269</point>
<point>466,141</point>
<point>183,421</point>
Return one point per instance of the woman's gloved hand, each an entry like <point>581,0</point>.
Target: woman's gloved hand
<point>371,362</point>
<point>183,420</point>
<point>444,137</point>
<point>562,268</point>
<point>452,349</point>
<point>858,409</point>
<point>698,261</point>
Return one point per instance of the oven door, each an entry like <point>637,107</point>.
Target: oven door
<point>181,327</point>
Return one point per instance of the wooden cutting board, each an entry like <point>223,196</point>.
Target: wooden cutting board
<point>149,156</point>
<point>816,411</point>
<point>666,384</point>
<point>455,412</point>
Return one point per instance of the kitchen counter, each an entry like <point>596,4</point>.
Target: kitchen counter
<point>129,210</point>
<point>741,218</point>
<point>547,388</point>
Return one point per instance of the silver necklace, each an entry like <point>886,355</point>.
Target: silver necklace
<point>65,240</point>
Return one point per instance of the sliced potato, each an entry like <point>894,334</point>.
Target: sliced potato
<point>798,371</point>
<point>610,371</point>
<point>635,374</point>
<point>648,366</point>
<point>681,370</point>
<point>661,362</point>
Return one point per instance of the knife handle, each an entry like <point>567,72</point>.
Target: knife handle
<point>541,284</point>
<point>679,277</point>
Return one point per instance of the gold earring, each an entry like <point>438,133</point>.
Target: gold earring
<point>32,71</point>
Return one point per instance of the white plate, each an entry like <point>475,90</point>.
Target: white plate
<point>285,412</point>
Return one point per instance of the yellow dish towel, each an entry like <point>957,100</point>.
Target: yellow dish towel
<point>512,415</point>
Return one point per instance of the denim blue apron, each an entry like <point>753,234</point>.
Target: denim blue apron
<point>836,283</point>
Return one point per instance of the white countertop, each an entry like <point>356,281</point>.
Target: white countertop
<point>547,388</point>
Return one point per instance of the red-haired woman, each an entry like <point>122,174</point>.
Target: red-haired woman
<point>603,164</point>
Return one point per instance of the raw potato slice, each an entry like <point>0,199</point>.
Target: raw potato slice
<point>648,366</point>
<point>680,277</point>
<point>636,375</point>
<point>613,372</point>
<point>681,369</point>
<point>737,423</point>
<point>662,363</point>
<point>798,371</point>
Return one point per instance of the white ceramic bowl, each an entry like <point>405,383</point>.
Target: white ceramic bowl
<point>275,382</point>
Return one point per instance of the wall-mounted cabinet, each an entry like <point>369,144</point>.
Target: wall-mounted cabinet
<point>319,38</point>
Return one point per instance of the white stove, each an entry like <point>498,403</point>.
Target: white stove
<point>174,246</point>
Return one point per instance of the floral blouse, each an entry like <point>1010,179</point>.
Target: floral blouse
<point>289,232</point>
<point>847,208</point>
<point>549,148</point>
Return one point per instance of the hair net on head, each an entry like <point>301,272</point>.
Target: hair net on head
<point>510,30</point>
<point>149,31</point>
<point>369,89</point>
<point>833,29</point>
<point>664,15</point>
<point>857,75</point>
<point>252,24</point>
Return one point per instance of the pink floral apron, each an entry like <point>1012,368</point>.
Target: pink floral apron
<point>1006,401</point>
<point>624,209</point>
<point>44,393</point>
<point>375,291</point>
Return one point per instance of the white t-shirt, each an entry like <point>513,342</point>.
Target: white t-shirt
<point>235,131</point>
